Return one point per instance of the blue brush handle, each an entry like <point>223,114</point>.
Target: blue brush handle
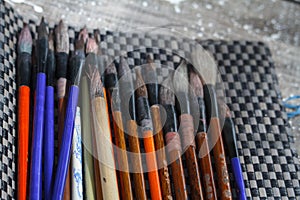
<point>49,142</point>
<point>238,175</point>
<point>36,158</point>
<point>65,150</point>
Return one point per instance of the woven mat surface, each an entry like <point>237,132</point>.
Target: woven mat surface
<point>270,165</point>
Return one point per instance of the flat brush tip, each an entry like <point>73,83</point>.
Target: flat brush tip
<point>196,84</point>
<point>140,85</point>
<point>62,38</point>
<point>111,69</point>
<point>91,46</point>
<point>123,67</point>
<point>180,78</point>
<point>25,40</point>
<point>166,94</point>
<point>51,41</point>
<point>205,64</point>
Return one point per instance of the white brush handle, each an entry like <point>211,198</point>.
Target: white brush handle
<point>77,179</point>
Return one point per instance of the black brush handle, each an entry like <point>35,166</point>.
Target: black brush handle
<point>42,51</point>
<point>143,109</point>
<point>229,137</point>
<point>153,93</point>
<point>50,71</point>
<point>202,116</point>
<point>171,119</point>
<point>62,64</point>
<point>24,69</point>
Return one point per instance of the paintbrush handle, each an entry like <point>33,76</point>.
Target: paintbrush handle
<point>205,166</point>
<point>189,147</point>
<point>125,183</point>
<point>105,149</point>
<point>88,169</point>
<point>36,158</point>
<point>160,152</point>
<point>65,150</point>
<point>136,161</point>
<point>153,177</point>
<point>174,153</point>
<point>77,182</point>
<point>49,141</point>
<point>23,141</point>
<point>220,159</point>
<point>238,176</point>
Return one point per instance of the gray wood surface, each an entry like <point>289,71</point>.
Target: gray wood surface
<point>275,22</point>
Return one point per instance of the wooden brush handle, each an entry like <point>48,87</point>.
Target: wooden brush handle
<point>98,187</point>
<point>187,133</point>
<point>155,190</point>
<point>125,183</point>
<point>134,146</point>
<point>104,149</point>
<point>174,154</point>
<point>220,159</point>
<point>160,153</point>
<point>23,142</point>
<point>205,166</point>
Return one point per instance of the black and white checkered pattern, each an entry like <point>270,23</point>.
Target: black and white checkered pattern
<point>270,165</point>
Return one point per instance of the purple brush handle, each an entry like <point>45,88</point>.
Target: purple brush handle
<point>37,143</point>
<point>238,176</point>
<point>49,141</point>
<point>65,151</point>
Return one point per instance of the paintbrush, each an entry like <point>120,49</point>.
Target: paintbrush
<point>144,120</point>
<point>202,148</point>
<point>150,77</point>
<point>111,83</point>
<point>24,75</point>
<point>229,137</point>
<point>127,93</point>
<point>172,138</point>
<point>206,66</point>
<point>62,54</point>
<point>76,159</point>
<point>102,132</point>
<point>77,62</point>
<point>49,121</point>
<point>37,141</point>
<point>92,52</point>
<point>181,87</point>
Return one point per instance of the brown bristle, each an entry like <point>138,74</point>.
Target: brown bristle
<point>150,71</point>
<point>97,36</point>
<point>62,38</point>
<point>227,111</point>
<point>91,46</point>
<point>95,81</point>
<point>196,84</point>
<point>166,93</point>
<point>141,90</point>
<point>51,41</point>
<point>111,69</point>
<point>25,40</point>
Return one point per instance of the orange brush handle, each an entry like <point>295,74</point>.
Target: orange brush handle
<point>152,164</point>
<point>23,133</point>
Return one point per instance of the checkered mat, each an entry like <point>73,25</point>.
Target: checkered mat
<point>270,165</point>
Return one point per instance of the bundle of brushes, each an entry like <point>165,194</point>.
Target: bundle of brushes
<point>112,140</point>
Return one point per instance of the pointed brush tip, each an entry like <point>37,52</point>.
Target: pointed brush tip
<point>91,46</point>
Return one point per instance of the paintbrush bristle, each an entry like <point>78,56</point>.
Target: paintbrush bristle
<point>83,34</point>
<point>97,36</point>
<point>141,90</point>
<point>62,38</point>
<point>180,78</point>
<point>42,29</point>
<point>96,83</point>
<point>196,84</point>
<point>204,64</point>
<point>149,71</point>
<point>51,41</point>
<point>111,69</point>
<point>82,37</point>
<point>166,93</point>
<point>227,111</point>
<point>123,67</point>
<point>91,46</point>
<point>25,40</point>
